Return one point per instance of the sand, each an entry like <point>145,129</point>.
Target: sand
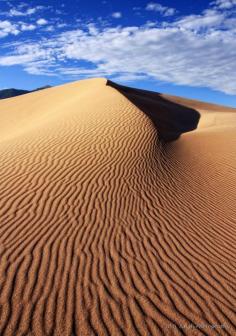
<point>107,230</point>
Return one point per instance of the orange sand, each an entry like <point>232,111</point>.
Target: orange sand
<point>106,230</point>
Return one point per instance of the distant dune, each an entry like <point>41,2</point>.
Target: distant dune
<point>9,93</point>
<point>106,229</point>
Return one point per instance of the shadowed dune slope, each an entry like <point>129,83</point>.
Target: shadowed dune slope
<point>104,229</point>
<point>171,119</point>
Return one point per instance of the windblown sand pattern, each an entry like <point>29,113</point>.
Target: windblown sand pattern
<point>106,230</point>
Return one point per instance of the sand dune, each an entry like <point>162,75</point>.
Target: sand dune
<point>107,230</point>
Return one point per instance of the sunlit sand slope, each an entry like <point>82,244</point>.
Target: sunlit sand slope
<point>104,229</point>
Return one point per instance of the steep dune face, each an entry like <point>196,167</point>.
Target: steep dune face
<point>104,229</point>
<point>170,119</point>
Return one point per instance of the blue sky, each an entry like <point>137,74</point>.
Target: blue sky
<point>186,48</point>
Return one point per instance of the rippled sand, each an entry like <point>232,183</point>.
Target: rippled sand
<point>105,229</point>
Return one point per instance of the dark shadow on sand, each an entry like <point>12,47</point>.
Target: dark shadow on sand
<point>170,119</point>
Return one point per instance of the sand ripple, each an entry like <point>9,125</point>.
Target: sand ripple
<point>104,230</point>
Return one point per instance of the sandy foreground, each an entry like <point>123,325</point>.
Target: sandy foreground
<point>105,229</point>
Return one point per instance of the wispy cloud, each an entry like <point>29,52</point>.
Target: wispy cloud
<point>224,4</point>
<point>195,50</point>
<point>15,12</point>
<point>23,10</point>
<point>117,15</point>
<point>156,7</point>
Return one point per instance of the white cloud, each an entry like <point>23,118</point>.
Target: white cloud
<point>117,15</point>
<point>14,28</point>
<point>41,22</point>
<point>195,50</point>
<point>25,54</point>
<point>21,10</point>
<point>15,12</point>
<point>224,4</point>
<point>209,19</point>
<point>156,7</point>
<point>7,28</point>
<point>27,27</point>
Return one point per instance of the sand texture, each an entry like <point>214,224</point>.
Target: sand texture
<point>107,230</point>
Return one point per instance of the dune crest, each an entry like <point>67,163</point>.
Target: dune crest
<point>170,118</point>
<point>105,229</point>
